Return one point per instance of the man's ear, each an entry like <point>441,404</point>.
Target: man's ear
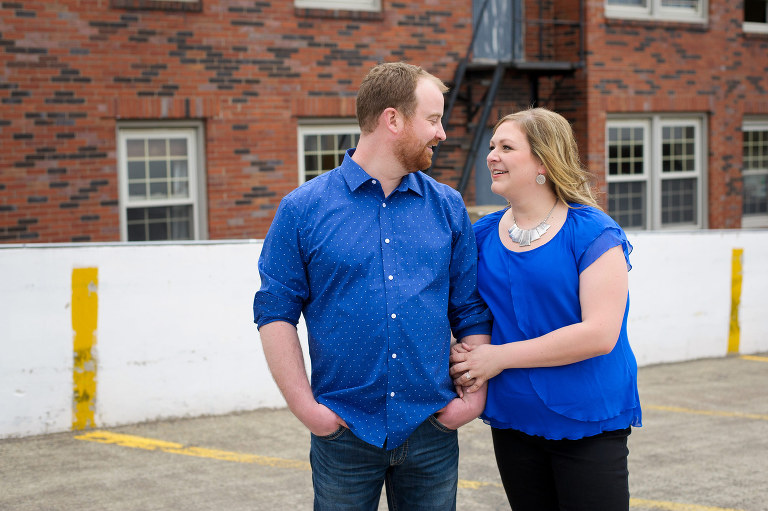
<point>392,120</point>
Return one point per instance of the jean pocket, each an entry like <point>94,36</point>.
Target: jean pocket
<point>333,436</point>
<point>439,425</point>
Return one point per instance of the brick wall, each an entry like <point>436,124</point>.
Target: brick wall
<point>665,67</point>
<point>249,70</point>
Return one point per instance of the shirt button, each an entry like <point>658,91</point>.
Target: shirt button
<point>383,204</point>
<point>394,316</point>
<point>392,394</point>
<point>394,355</point>
<point>373,181</point>
<point>391,277</point>
<point>386,240</point>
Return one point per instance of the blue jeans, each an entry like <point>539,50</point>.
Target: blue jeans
<point>420,475</point>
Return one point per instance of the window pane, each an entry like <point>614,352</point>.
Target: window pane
<point>136,232</point>
<point>625,151</point>
<point>157,147</point>
<point>684,4</point>
<point>134,148</point>
<point>755,195</point>
<point>179,168</point>
<point>137,170</point>
<point>638,3</point>
<point>137,190</point>
<point>677,149</point>
<point>311,163</point>
<point>177,146</point>
<point>160,223</point>
<point>329,161</point>
<point>328,142</point>
<point>678,201</point>
<point>158,190</point>
<point>626,204</point>
<point>135,214</point>
<point>179,189</point>
<point>755,11</point>
<point>158,231</point>
<point>344,142</point>
<point>158,169</point>
<point>310,143</point>
<point>755,149</point>
<point>156,213</point>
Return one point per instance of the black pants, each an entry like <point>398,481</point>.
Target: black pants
<point>589,474</point>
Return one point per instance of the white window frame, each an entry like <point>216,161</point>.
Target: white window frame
<point>193,133</point>
<point>755,27</point>
<point>322,127</point>
<point>345,5</point>
<point>754,221</point>
<point>655,10</point>
<point>652,165</point>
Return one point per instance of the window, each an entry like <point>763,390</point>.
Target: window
<point>668,10</point>
<point>160,184</point>
<point>655,172</point>
<point>756,16</point>
<point>755,173</point>
<point>347,5</point>
<point>322,147</point>
<point>160,5</point>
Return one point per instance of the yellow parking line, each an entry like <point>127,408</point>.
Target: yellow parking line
<point>713,413</point>
<point>151,444</point>
<point>675,506</point>
<point>754,358</point>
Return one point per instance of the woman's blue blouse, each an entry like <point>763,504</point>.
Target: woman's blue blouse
<point>535,292</point>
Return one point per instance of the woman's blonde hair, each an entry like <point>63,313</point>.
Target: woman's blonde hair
<point>551,139</point>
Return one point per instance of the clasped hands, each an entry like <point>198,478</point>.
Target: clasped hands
<point>473,365</point>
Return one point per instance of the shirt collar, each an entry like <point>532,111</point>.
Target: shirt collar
<point>355,176</point>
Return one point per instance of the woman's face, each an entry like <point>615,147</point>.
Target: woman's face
<point>513,167</point>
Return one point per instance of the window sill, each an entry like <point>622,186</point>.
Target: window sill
<point>755,29</point>
<point>338,14</point>
<point>158,5</point>
<point>635,21</point>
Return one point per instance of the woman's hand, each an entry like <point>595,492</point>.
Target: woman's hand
<point>459,380</point>
<point>472,366</point>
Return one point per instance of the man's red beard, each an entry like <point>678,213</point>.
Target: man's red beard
<point>411,154</point>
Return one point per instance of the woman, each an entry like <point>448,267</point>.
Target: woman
<point>562,379</point>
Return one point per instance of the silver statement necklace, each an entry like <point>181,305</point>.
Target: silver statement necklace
<point>524,237</point>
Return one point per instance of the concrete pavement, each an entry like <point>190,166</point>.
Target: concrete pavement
<point>704,447</point>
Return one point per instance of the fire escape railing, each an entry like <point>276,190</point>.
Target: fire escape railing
<point>532,64</point>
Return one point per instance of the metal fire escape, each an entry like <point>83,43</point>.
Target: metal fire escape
<point>528,51</point>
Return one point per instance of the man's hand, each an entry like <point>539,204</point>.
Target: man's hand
<point>460,411</point>
<point>320,420</point>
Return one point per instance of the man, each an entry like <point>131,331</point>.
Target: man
<point>381,260</point>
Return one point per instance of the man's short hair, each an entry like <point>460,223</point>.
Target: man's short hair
<point>390,85</point>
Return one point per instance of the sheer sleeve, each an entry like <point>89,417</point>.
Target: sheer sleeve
<point>610,237</point>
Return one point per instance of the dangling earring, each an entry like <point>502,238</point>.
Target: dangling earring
<point>541,179</point>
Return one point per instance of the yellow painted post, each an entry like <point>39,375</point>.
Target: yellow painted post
<point>734,334</point>
<point>85,282</point>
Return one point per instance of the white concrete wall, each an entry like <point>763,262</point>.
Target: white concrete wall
<point>176,339</point>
